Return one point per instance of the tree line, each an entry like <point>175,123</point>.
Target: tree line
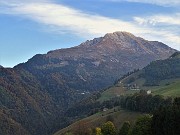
<point>140,102</point>
<point>163,121</point>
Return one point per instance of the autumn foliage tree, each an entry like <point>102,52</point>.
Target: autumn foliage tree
<point>98,131</point>
<point>82,128</point>
<point>108,128</point>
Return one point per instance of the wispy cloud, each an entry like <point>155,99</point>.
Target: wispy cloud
<point>60,18</point>
<point>164,27</point>
<point>65,18</point>
<point>167,3</point>
<point>173,19</point>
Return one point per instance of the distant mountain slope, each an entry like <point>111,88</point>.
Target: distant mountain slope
<point>35,93</point>
<point>161,70</point>
<point>161,77</point>
<point>158,71</point>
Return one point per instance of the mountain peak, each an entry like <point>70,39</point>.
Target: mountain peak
<point>112,43</point>
<point>119,37</point>
<point>118,34</point>
<point>115,38</point>
<point>111,35</point>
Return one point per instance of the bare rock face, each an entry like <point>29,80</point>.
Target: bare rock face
<point>117,42</point>
<point>34,94</point>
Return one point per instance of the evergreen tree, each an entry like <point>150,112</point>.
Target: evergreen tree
<point>166,120</point>
<point>125,128</point>
<point>142,126</point>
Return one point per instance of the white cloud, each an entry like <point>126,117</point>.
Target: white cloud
<point>61,19</point>
<point>164,28</point>
<point>70,19</point>
<point>22,1</point>
<point>167,37</point>
<point>173,19</point>
<point>167,3</point>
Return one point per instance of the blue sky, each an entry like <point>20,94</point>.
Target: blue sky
<point>29,27</point>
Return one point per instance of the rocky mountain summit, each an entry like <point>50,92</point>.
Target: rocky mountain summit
<point>114,43</point>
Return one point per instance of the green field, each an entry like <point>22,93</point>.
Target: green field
<point>172,90</point>
<point>115,91</point>
<point>167,88</point>
<point>119,116</point>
